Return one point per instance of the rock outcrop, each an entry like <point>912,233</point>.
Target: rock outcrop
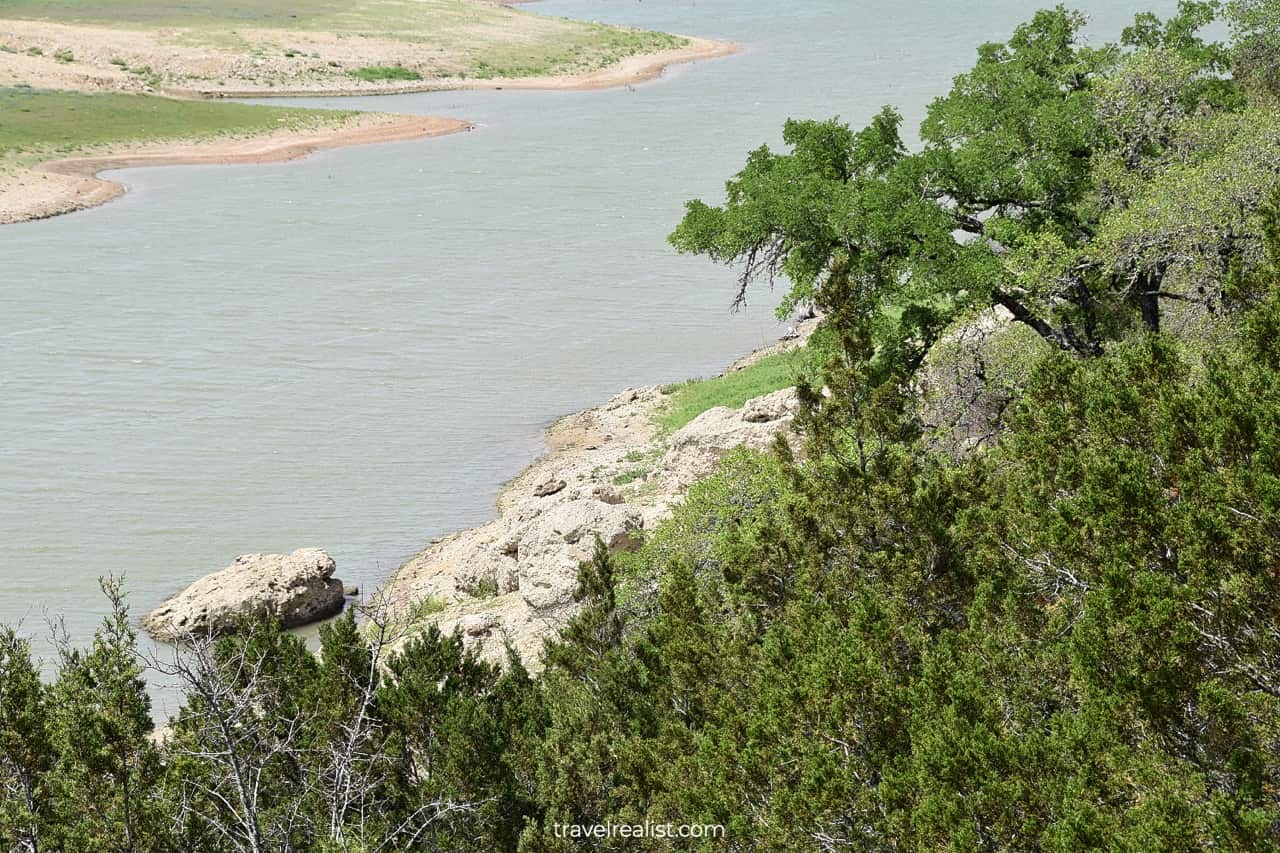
<point>292,589</point>
<point>970,376</point>
<point>696,448</point>
<point>608,473</point>
<point>548,488</point>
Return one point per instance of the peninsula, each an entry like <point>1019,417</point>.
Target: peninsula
<point>84,89</point>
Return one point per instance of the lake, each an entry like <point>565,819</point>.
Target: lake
<point>355,351</point>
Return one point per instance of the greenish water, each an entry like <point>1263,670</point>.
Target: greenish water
<point>354,351</point>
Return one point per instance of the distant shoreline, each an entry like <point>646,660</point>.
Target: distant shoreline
<point>633,69</point>
<point>66,185</point>
<point>56,187</point>
<point>323,64</point>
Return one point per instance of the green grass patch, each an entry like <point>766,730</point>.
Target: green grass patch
<point>414,617</point>
<point>123,13</point>
<point>461,38</point>
<point>692,398</point>
<point>424,608</point>
<point>591,47</point>
<point>627,477</point>
<point>40,122</point>
<point>485,588</point>
<point>642,464</point>
<point>375,73</point>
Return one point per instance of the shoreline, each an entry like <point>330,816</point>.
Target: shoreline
<point>572,434</point>
<point>66,185</point>
<point>624,72</point>
<point>108,59</point>
<point>607,470</point>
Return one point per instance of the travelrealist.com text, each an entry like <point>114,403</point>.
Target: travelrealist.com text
<point>647,829</point>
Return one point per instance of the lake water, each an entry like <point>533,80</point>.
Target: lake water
<point>356,350</point>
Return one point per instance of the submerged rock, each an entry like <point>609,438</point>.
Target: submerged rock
<point>291,589</point>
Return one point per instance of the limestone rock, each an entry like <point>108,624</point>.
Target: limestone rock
<point>478,624</point>
<point>291,589</point>
<point>697,447</point>
<point>608,472</point>
<point>771,407</point>
<point>608,494</point>
<point>490,626</point>
<point>549,487</point>
<point>556,543</point>
<point>485,569</point>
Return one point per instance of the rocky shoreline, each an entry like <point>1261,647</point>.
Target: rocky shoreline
<point>291,589</point>
<point>608,471</point>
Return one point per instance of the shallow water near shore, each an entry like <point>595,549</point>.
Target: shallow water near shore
<point>355,351</point>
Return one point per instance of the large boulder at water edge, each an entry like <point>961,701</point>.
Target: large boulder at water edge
<point>291,589</point>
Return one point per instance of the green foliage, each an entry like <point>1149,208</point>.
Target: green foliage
<point>454,723</point>
<point>629,476</point>
<point>1066,641</point>
<point>734,512</point>
<point>105,782</point>
<point>375,73</point>
<point>421,610</point>
<point>485,588</point>
<point>1255,58</point>
<point>26,748</point>
<point>1050,184</point>
<point>1061,644</point>
<point>687,400</point>
<point>235,755</point>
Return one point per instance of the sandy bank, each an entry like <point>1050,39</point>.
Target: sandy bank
<point>277,63</point>
<point>625,72</point>
<point>65,185</point>
<point>635,69</point>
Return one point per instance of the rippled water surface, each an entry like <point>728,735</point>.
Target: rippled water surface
<point>356,350</point>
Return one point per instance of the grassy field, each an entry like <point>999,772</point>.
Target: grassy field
<point>36,124</point>
<point>571,47</point>
<point>147,13</point>
<point>314,40</point>
<point>327,15</point>
<point>385,72</point>
<point>690,399</point>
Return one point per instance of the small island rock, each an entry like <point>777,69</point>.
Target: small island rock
<point>291,589</point>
